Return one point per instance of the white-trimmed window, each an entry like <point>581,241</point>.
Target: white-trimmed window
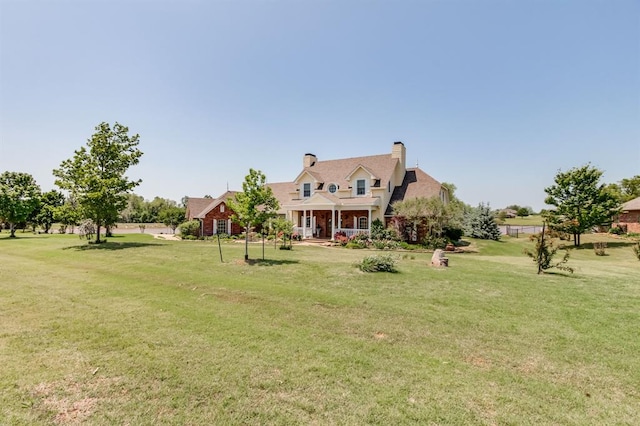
<point>360,187</point>
<point>333,188</point>
<point>221,208</point>
<point>363,222</point>
<point>306,190</point>
<point>222,227</point>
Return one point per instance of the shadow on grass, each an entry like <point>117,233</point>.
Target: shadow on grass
<point>269,262</point>
<point>562,274</point>
<point>109,246</point>
<point>610,244</point>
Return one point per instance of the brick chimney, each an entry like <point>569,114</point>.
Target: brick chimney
<point>399,151</point>
<point>309,160</point>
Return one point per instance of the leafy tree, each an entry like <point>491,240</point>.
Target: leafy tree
<point>132,212</point>
<point>68,214</point>
<point>172,216</point>
<point>49,203</point>
<point>19,197</point>
<point>95,175</point>
<point>480,223</point>
<point>430,214</point>
<point>630,188</point>
<point>580,201</point>
<point>523,212</point>
<point>626,189</point>
<point>254,205</point>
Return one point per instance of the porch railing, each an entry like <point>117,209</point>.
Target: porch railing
<point>349,232</point>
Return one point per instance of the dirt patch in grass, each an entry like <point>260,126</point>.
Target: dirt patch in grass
<point>71,401</point>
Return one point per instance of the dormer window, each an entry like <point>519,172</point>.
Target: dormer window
<point>360,187</point>
<point>332,188</point>
<point>306,190</point>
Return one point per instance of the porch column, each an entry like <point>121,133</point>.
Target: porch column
<point>312,223</point>
<point>369,222</point>
<point>304,223</point>
<point>333,223</point>
<point>340,219</point>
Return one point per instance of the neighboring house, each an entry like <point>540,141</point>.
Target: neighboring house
<point>508,213</point>
<point>629,217</point>
<point>332,196</point>
<point>346,195</point>
<point>214,215</point>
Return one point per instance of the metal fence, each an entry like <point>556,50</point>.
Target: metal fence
<point>517,230</point>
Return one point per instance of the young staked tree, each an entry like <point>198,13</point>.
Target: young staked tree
<point>580,201</point>
<point>19,197</point>
<point>254,205</point>
<point>544,250</point>
<point>95,175</point>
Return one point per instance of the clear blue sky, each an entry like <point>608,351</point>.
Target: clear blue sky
<point>494,96</point>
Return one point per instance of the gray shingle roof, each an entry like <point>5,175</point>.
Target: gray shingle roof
<point>336,171</point>
<point>416,184</point>
<point>631,205</point>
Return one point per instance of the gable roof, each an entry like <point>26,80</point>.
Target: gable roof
<point>338,171</point>
<point>416,184</point>
<point>282,191</point>
<point>213,204</point>
<point>632,205</point>
<point>195,206</point>
<point>365,169</point>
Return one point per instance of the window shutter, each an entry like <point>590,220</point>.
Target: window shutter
<point>229,226</point>
<point>215,226</point>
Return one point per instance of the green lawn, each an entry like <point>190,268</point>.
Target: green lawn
<point>144,331</point>
<point>530,220</point>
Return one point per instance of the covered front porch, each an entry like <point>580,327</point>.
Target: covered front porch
<point>323,215</point>
<point>325,224</point>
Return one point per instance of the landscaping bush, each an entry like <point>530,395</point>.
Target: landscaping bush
<point>618,230</point>
<point>432,242</point>
<point>379,232</point>
<point>355,245</point>
<point>385,244</point>
<point>452,234</point>
<point>378,263</point>
<point>190,228</point>
<point>406,246</point>
<point>599,248</point>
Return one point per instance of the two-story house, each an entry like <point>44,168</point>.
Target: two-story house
<point>344,195</point>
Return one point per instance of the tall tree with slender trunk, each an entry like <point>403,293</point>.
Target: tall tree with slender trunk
<point>95,175</point>
<point>580,201</point>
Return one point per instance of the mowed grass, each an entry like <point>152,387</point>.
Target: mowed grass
<point>144,331</point>
<point>531,220</point>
